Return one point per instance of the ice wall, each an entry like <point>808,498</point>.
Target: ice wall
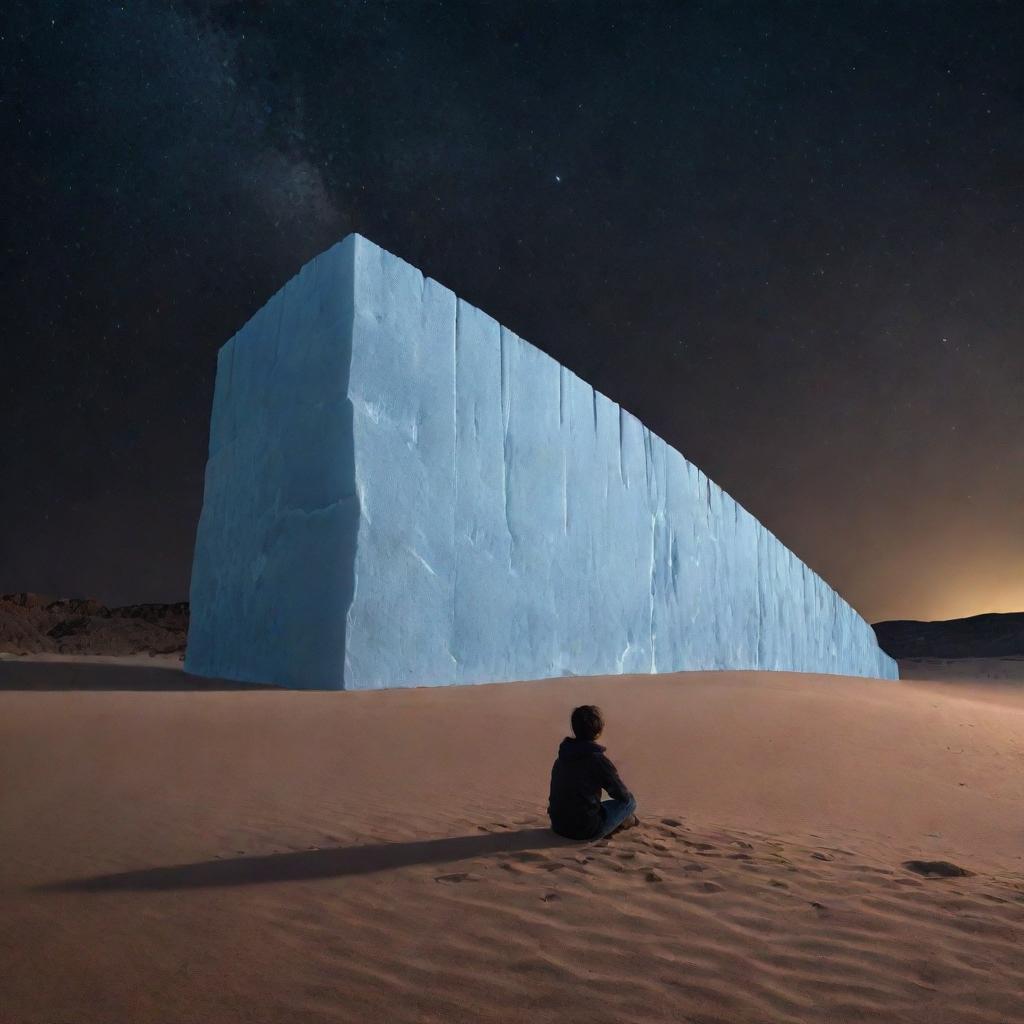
<point>402,492</point>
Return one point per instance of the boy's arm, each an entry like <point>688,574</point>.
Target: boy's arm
<point>610,780</point>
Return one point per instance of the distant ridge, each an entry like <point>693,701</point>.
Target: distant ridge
<point>992,635</point>
<point>42,624</point>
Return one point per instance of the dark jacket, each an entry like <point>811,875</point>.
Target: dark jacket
<point>577,778</point>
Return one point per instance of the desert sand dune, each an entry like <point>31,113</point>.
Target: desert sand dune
<point>276,856</point>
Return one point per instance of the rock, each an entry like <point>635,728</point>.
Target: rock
<point>937,869</point>
<point>992,635</point>
<point>33,624</point>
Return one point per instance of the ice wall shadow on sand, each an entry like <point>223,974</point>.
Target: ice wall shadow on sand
<point>56,675</point>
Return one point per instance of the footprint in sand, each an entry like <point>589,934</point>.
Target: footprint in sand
<point>693,867</point>
<point>549,897</point>
<point>712,887</point>
<point>671,822</point>
<point>778,884</point>
<point>532,857</point>
<point>822,856</point>
<point>458,876</point>
<point>652,876</point>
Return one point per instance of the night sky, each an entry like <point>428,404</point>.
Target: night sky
<point>788,236</point>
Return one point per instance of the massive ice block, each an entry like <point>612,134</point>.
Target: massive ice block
<point>401,492</point>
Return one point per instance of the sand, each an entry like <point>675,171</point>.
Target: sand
<point>270,856</point>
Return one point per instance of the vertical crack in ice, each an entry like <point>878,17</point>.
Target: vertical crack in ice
<point>622,464</point>
<point>647,471</point>
<point>651,574</point>
<point>452,624</point>
<point>622,657</point>
<point>650,467</point>
<point>277,335</point>
<point>565,492</point>
<point>593,399</point>
<point>232,401</point>
<point>505,415</point>
<point>652,500</point>
<point>564,439</point>
<point>758,652</point>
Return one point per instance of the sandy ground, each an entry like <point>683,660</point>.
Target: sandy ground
<point>174,856</point>
<point>84,661</point>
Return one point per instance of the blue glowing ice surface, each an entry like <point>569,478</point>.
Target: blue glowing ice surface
<point>401,492</point>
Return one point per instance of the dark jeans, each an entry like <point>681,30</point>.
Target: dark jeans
<point>615,813</point>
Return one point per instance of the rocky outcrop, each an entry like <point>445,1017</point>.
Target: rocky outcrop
<point>42,624</point>
<point>993,635</point>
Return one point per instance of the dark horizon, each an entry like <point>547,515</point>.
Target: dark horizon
<point>790,241</point>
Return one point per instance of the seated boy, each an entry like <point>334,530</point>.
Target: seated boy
<point>577,778</point>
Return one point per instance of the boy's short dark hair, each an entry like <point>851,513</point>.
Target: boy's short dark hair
<point>587,723</point>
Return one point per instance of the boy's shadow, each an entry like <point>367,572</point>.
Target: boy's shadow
<point>307,864</point>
